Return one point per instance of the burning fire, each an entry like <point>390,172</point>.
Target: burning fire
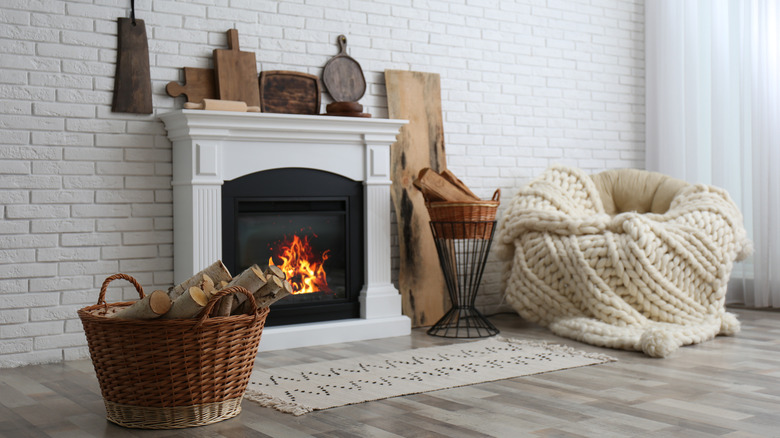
<point>305,273</point>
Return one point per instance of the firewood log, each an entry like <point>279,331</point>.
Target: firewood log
<point>437,188</point>
<point>275,271</point>
<point>224,301</point>
<point>151,306</point>
<point>251,279</point>
<point>270,289</point>
<point>273,285</point>
<point>188,305</point>
<point>207,284</point>
<point>267,300</point>
<point>270,299</point>
<point>449,176</point>
<point>287,286</point>
<point>216,272</point>
<point>108,312</point>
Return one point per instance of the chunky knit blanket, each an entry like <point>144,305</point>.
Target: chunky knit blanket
<point>645,282</point>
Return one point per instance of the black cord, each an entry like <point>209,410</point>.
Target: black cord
<point>132,11</point>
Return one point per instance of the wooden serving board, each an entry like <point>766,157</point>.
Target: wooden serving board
<point>343,77</point>
<point>289,92</point>
<point>133,82</point>
<point>198,85</point>
<point>236,73</point>
<point>416,97</point>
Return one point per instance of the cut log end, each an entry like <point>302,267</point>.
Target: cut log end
<point>149,307</point>
<point>276,272</point>
<point>188,305</point>
<point>199,296</point>
<point>159,302</point>
<point>256,270</point>
<point>216,272</point>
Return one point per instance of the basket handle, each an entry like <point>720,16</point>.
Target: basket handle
<point>497,195</point>
<point>102,297</point>
<point>215,299</point>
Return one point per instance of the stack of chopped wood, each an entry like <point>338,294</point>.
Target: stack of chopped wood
<point>187,299</point>
<point>443,186</point>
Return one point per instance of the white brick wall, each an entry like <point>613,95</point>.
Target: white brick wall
<point>85,193</point>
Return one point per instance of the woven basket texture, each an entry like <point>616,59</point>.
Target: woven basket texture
<point>174,372</point>
<point>464,220</point>
<point>481,230</point>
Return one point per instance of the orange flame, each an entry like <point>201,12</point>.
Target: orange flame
<point>304,272</point>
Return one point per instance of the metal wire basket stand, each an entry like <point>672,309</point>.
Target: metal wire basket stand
<point>463,249</point>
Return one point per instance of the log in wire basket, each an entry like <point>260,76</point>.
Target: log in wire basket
<point>172,373</point>
<point>463,233</point>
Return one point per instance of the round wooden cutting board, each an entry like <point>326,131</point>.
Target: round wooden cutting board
<point>343,77</point>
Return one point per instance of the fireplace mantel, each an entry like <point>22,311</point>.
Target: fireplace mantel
<point>210,147</point>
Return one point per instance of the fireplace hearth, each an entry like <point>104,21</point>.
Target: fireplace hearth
<point>212,149</point>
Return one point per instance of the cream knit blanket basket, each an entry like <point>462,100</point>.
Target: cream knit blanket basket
<point>645,282</point>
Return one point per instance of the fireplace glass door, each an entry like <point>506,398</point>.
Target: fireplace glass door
<point>309,224</point>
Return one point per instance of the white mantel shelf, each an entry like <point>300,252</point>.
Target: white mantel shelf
<point>210,147</point>
<point>293,127</point>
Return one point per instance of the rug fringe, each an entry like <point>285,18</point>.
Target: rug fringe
<point>276,403</point>
<point>557,347</point>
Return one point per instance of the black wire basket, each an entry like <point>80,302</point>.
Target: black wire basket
<point>463,249</point>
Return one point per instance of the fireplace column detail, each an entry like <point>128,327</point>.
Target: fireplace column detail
<point>197,189</point>
<point>379,297</point>
<point>210,147</point>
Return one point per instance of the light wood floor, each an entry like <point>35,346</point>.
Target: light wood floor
<point>726,387</point>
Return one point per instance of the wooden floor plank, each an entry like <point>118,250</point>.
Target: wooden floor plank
<point>728,387</point>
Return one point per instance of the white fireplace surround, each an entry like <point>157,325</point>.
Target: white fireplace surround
<point>210,147</point>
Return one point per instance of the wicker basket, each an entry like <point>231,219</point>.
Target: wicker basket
<point>464,220</point>
<point>174,373</point>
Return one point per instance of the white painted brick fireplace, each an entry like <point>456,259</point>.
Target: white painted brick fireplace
<point>210,147</point>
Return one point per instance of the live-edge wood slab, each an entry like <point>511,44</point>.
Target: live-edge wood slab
<point>416,96</point>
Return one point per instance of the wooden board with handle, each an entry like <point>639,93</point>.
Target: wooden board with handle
<point>198,85</point>
<point>416,97</point>
<point>343,77</point>
<point>133,82</point>
<point>236,73</point>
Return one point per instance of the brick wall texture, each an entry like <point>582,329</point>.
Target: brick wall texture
<point>86,193</point>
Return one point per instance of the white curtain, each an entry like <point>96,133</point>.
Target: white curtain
<point>712,88</point>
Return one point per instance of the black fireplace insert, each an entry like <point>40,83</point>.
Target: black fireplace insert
<point>307,222</point>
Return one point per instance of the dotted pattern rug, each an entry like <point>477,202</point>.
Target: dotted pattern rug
<point>304,388</point>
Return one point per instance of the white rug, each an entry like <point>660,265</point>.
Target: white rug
<point>304,388</point>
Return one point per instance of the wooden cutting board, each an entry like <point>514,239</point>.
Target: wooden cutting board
<point>198,85</point>
<point>343,77</point>
<point>236,73</point>
<point>416,97</point>
<point>132,82</point>
<point>289,92</point>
